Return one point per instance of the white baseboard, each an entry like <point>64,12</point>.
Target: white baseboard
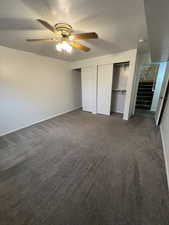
<point>165,156</point>
<point>47,118</point>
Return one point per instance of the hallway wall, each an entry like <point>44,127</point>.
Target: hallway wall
<point>159,82</point>
<point>165,136</point>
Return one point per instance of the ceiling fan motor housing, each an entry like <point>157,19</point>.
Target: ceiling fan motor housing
<point>64,29</point>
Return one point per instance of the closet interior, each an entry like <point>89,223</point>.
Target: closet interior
<point>119,87</point>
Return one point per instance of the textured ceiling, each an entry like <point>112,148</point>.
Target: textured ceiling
<point>118,23</point>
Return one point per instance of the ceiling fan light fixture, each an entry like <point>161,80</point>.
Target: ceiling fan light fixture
<point>64,38</point>
<point>71,38</point>
<point>141,40</point>
<point>59,47</point>
<point>64,46</point>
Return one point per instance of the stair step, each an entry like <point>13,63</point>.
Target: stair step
<point>143,101</point>
<point>144,95</point>
<point>140,106</point>
<point>144,88</point>
<point>147,83</point>
<point>145,92</point>
<point>140,97</point>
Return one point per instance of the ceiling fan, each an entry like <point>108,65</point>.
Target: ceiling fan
<point>64,37</point>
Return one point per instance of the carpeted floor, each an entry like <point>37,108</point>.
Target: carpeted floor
<point>84,169</point>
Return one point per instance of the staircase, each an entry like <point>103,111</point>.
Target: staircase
<point>144,95</point>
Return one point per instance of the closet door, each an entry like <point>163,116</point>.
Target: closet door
<point>104,89</point>
<point>89,83</point>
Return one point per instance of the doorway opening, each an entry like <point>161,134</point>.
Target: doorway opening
<point>119,87</point>
<point>149,86</point>
<point>76,79</point>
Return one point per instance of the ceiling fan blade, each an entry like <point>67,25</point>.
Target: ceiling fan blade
<point>47,25</point>
<point>79,46</point>
<point>84,36</point>
<point>42,39</point>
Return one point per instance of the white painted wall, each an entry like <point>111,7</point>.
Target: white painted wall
<point>116,58</point>
<point>34,88</point>
<point>164,127</point>
<point>159,82</point>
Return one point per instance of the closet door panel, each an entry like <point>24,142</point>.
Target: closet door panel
<point>89,82</point>
<point>104,89</point>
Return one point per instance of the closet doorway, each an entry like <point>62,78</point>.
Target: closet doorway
<point>77,91</point>
<point>119,87</point>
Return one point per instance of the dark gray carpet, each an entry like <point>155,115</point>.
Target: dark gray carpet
<point>84,169</point>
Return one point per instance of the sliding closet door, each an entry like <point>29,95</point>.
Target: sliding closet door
<point>104,89</point>
<point>89,83</point>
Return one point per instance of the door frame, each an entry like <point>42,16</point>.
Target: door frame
<point>163,97</point>
<point>164,103</point>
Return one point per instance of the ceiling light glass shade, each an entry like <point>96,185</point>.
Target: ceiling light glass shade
<point>59,47</point>
<point>71,38</point>
<point>63,46</point>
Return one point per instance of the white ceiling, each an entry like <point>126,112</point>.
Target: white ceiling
<point>118,23</point>
<point>157,15</point>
